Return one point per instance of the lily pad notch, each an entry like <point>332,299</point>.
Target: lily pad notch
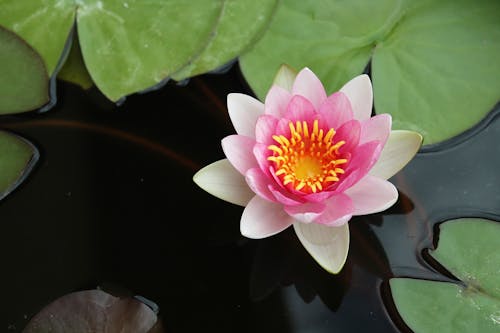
<point>469,249</point>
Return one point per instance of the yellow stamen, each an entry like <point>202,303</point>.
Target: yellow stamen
<point>307,161</point>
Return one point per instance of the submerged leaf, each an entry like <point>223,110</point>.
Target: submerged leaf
<point>93,311</point>
<point>468,248</point>
<point>23,77</point>
<point>17,158</point>
<point>434,63</point>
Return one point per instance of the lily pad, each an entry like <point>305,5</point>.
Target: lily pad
<point>17,158</point>
<point>468,248</point>
<point>93,311</point>
<point>132,45</point>
<point>240,25</point>
<point>44,24</point>
<point>23,77</point>
<point>434,63</point>
<point>129,46</point>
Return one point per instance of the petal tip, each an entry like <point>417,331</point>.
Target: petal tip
<point>328,246</point>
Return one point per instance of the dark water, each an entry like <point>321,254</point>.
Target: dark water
<point>111,203</point>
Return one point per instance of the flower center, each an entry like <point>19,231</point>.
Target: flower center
<point>309,161</point>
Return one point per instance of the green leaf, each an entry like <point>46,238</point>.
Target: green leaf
<point>130,46</point>
<point>44,24</point>
<point>23,77</point>
<point>434,63</point>
<point>468,248</point>
<point>17,158</point>
<point>240,25</point>
<point>74,69</point>
<point>133,45</point>
<point>438,72</point>
<point>334,39</point>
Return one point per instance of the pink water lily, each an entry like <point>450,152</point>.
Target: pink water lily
<point>310,160</point>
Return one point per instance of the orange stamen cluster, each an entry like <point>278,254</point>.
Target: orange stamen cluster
<point>308,160</point>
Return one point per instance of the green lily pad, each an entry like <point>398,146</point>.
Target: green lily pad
<point>44,24</point>
<point>17,158</point>
<point>74,69</point>
<point>129,46</point>
<point>133,45</point>
<point>240,25</point>
<point>23,77</point>
<point>469,249</point>
<point>434,63</point>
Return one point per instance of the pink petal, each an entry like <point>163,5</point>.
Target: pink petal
<point>283,128</point>
<point>376,128</point>
<point>265,129</point>
<point>349,132</point>
<point>300,109</point>
<point>262,218</point>
<point>261,153</point>
<point>318,196</point>
<point>308,85</point>
<point>336,109</point>
<point>258,183</point>
<point>339,210</point>
<point>307,212</point>
<point>277,100</point>
<point>244,111</point>
<point>372,195</point>
<point>285,197</point>
<point>360,94</point>
<point>363,158</point>
<point>238,150</point>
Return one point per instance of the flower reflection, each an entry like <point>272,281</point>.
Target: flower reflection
<point>309,160</point>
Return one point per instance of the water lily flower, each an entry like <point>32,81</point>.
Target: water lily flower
<point>309,160</point>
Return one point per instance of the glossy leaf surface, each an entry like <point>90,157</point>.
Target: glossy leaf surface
<point>23,77</point>
<point>17,158</point>
<point>468,248</point>
<point>433,63</point>
<point>131,46</point>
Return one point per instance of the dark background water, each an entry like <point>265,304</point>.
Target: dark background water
<point>111,203</point>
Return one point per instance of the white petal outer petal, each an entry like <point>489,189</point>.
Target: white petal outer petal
<point>400,148</point>
<point>285,77</point>
<point>223,181</point>
<point>327,245</point>
<point>244,111</point>
<point>372,195</point>
<point>262,219</point>
<point>360,94</point>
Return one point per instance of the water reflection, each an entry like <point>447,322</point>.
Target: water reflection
<point>461,180</point>
<point>100,207</point>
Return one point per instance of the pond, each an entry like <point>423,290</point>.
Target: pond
<point>111,204</point>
